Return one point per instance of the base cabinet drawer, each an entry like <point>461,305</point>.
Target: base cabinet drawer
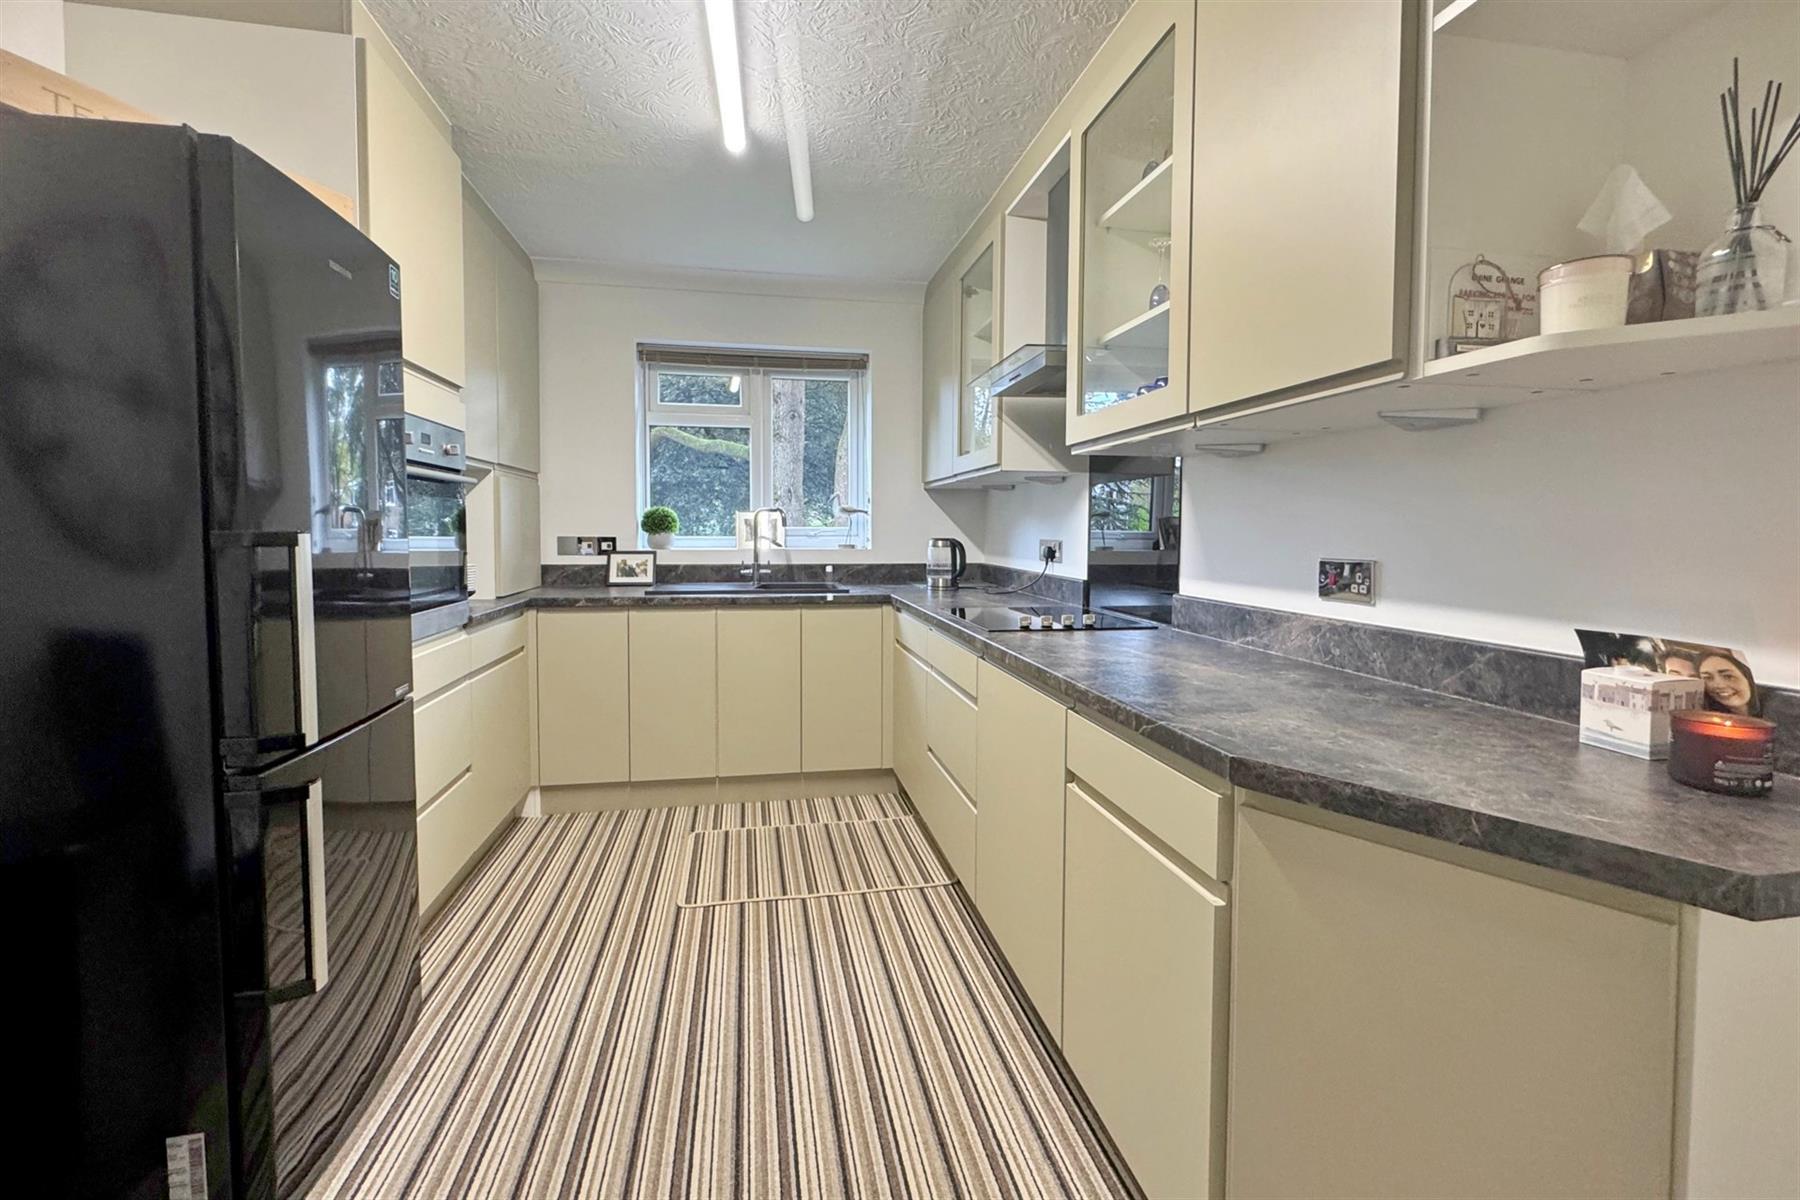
<point>442,731</point>
<point>911,680</point>
<point>501,762</point>
<point>950,816</point>
<point>1019,833</point>
<point>1143,1006</point>
<point>951,732</point>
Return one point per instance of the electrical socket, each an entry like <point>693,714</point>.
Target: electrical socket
<point>1050,550</point>
<point>1350,580</point>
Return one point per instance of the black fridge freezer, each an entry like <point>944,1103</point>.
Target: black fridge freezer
<point>207,868</point>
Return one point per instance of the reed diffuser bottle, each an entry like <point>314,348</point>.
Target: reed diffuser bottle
<point>1746,269</point>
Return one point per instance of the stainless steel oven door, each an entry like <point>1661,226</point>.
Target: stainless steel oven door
<point>437,536</point>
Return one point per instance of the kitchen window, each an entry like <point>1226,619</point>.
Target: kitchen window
<point>727,431</point>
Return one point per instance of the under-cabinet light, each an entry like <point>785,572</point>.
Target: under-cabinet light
<point>721,32</point>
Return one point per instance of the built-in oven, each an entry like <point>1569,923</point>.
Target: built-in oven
<point>436,522</point>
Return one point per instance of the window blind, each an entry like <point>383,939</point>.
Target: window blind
<point>751,360</point>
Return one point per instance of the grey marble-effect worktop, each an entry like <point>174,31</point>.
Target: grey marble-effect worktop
<point>1456,770</point>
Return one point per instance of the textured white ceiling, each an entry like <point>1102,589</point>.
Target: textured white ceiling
<point>592,128</point>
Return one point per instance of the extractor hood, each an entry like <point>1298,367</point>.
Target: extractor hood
<point>1034,370</point>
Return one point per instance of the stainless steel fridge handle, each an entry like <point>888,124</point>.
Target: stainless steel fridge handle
<point>318,942</point>
<point>306,648</point>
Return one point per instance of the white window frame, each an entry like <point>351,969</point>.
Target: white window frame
<point>754,414</point>
<point>1163,503</point>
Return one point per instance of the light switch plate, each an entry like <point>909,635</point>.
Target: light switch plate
<point>1347,580</point>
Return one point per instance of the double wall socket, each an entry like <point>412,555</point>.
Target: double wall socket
<point>1050,550</point>
<point>1350,580</point>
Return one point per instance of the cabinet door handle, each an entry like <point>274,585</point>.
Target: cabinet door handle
<point>1180,867</point>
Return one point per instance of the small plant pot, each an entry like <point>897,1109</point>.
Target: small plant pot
<point>661,541</point>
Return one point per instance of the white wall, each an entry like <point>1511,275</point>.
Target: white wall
<point>287,94</point>
<point>1015,520</point>
<point>34,29</point>
<point>590,322</point>
<point>1667,509</point>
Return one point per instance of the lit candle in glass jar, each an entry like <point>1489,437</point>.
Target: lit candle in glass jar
<point>1722,752</point>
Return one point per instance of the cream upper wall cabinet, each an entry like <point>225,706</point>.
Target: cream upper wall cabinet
<point>501,332</point>
<point>518,358</point>
<point>759,691</point>
<point>675,694</point>
<point>481,328</point>
<point>938,453</point>
<point>1403,1026</point>
<point>841,683</point>
<point>1129,221</point>
<point>1019,839</point>
<point>584,666</point>
<point>1304,115</point>
<point>977,337</point>
<point>412,200</point>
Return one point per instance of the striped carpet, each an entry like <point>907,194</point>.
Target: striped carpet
<point>583,1035</point>
<point>791,862</point>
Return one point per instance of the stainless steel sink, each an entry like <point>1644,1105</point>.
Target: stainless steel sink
<point>746,589</point>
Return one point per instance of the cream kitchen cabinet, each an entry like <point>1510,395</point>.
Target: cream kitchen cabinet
<point>411,200</point>
<point>1145,936</point>
<point>516,525</point>
<point>504,550</point>
<point>759,691</point>
<point>674,694</point>
<point>501,334</point>
<point>584,663</point>
<point>923,697</point>
<point>1129,226</point>
<point>474,750</point>
<point>1431,1029</point>
<point>977,340</point>
<point>1019,833</point>
<point>1269,229</point>
<point>942,388</point>
<point>841,683</point>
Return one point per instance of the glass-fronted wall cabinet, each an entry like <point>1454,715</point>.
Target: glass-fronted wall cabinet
<point>978,333</point>
<point>1131,202</point>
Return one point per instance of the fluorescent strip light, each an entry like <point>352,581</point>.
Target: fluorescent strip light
<point>793,116</point>
<point>721,31</point>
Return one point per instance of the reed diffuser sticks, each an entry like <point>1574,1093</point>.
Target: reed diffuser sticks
<point>1754,166</point>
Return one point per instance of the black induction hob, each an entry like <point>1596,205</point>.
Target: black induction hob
<point>1062,618</point>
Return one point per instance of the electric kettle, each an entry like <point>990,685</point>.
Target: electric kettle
<point>945,562</point>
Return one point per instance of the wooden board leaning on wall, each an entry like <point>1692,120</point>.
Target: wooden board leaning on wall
<point>32,88</point>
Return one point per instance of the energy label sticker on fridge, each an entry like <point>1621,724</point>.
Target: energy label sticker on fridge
<point>187,1166</point>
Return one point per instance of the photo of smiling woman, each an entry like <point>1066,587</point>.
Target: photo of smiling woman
<point>1729,687</point>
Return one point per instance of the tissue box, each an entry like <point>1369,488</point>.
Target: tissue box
<point>1627,708</point>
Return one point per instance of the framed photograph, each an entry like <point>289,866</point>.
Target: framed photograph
<point>604,545</point>
<point>633,568</point>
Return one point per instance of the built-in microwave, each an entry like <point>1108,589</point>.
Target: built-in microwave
<point>436,528</point>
